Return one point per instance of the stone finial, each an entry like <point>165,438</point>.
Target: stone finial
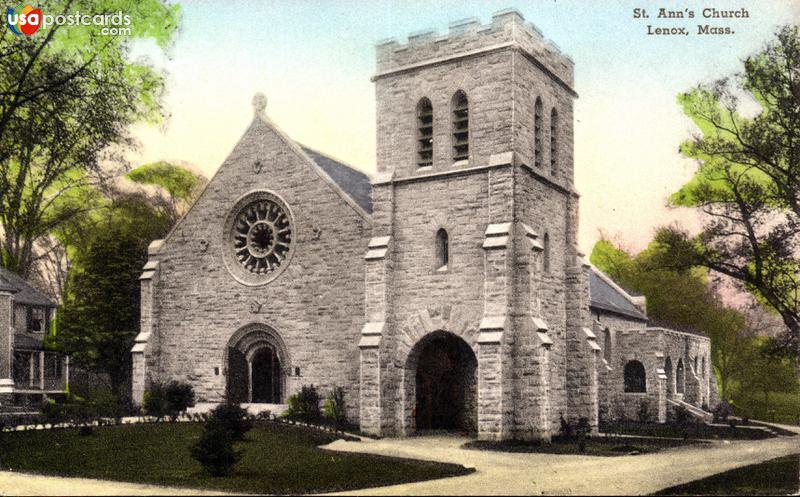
<point>259,103</point>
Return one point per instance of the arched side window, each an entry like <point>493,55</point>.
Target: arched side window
<point>442,250</point>
<point>424,133</point>
<point>546,255</point>
<point>635,380</point>
<point>679,377</point>
<point>670,376</point>
<point>607,345</point>
<point>460,107</point>
<point>537,133</point>
<point>703,366</point>
<point>553,142</point>
<point>696,371</point>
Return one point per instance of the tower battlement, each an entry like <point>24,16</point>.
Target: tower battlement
<point>468,36</point>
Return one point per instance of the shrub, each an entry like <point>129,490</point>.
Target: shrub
<point>566,428</point>
<point>168,400</point>
<point>582,431</point>
<point>155,401</point>
<point>304,406</point>
<point>644,411</point>
<point>179,397</point>
<point>230,418</point>
<point>335,409</point>
<point>215,449</point>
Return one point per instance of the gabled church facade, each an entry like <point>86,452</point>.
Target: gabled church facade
<point>445,292</point>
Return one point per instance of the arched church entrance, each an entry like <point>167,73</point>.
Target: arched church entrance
<point>446,386</point>
<point>256,365</point>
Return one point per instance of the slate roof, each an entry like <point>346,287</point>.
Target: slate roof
<point>24,293</point>
<point>355,184</point>
<point>605,297</point>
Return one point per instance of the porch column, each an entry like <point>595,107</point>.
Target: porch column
<point>41,369</point>
<point>32,369</point>
<point>6,343</point>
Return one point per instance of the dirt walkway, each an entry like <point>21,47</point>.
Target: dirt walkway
<point>27,484</point>
<point>547,474</point>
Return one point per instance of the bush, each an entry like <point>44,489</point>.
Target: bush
<point>304,406</point>
<point>566,428</point>
<point>179,397</point>
<point>232,419</point>
<point>335,409</point>
<point>215,449</point>
<point>644,411</point>
<point>582,431</point>
<point>168,400</point>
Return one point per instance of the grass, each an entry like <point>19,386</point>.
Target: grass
<point>277,459</point>
<point>694,431</point>
<point>596,446</point>
<point>780,407</point>
<point>774,477</point>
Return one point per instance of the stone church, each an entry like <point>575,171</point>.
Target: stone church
<point>444,292</point>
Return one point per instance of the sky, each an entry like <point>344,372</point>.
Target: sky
<point>313,59</point>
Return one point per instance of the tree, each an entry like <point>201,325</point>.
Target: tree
<point>99,317</point>
<point>107,248</point>
<point>748,180</point>
<point>68,95</point>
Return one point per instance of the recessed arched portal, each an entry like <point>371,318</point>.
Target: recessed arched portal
<point>442,370</point>
<point>256,366</point>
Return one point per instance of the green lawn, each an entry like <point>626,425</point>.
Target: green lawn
<point>775,477</point>
<point>597,446</point>
<point>277,459</point>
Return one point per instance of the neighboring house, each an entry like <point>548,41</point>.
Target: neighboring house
<point>28,372</point>
<point>446,292</point>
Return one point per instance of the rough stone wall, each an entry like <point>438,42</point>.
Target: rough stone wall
<point>315,305</point>
<point>485,81</point>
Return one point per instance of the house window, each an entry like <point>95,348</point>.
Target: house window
<point>607,345</point>
<point>36,319</point>
<point>442,250</point>
<point>52,366</point>
<point>553,142</point>
<point>546,255</point>
<point>537,133</point>
<point>460,126</point>
<point>635,380</point>
<point>424,133</point>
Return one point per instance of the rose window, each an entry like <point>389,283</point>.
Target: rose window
<point>260,238</point>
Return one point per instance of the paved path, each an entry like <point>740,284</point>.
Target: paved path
<point>27,484</point>
<point>543,474</point>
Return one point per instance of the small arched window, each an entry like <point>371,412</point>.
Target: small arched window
<point>442,250</point>
<point>607,345</point>
<point>670,376</point>
<point>696,371</point>
<point>546,255</point>
<point>553,142</point>
<point>679,377</point>
<point>635,380</point>
<point>537,133</point>
<point>703,366</point>
<point>460,107</point>
<point>424,133</point>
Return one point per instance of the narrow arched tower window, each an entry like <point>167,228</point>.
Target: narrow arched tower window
<point>546,255</point>
<point>460,107</point>
<point>424,133</point>
<point>442,249</point>
<point>607,345</point>
<point>554,142</point>
<point>537,133</point>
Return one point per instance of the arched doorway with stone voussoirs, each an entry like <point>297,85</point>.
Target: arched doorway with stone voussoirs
<point>442,384</point>
<point>256,363</point>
